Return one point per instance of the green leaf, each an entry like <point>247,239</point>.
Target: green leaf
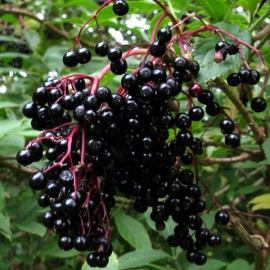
<point>239,264</point>
<point>8,104</point>
<point>205,51</point>
<point>8,125</point>
<point>132,231</point>
<point>212,264</point>
<point>32,38</point>
<point>5,226</point>
<point>11,144</point>
<point>261,199</point>
<point>14,55</point>
<point>214,9</point>
<point>112,265</point>
<point>10,39</point>
<point>2,198</point>
<point>261,206</point>
<point>140,257</point>
<point>53,57</point>
<point>266,148</point>
<point>32,227</point>
<point>249,5</point>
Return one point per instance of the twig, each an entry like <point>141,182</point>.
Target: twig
<point>264,32</point>
<point>256,242</point>
<point>64,34</point>
<point>16,167</point>
<point>227,160</point>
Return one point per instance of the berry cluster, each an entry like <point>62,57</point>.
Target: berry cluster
<point>98,142</point>
<point>9,46</point>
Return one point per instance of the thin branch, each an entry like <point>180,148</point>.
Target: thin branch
<point>226,160</point>
<point>16,167</point>
<point>256,242</point>
<point>56,30</point>
<point>264,32</point>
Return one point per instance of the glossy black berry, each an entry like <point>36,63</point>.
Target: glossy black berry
<point>206,97</point>
<point>114,54</point>
<point>25,157</point>
<point>30,109</point>
<point>182,120</point>
<point>222,217</point>
<point>214,240</point>
<point>245,75</point>
<point>101,48</point>
<point>255,77</point>
<point>79,84</point>
<point>194,67</point>
<point>233,79</point>
<point>196,113</point>
<point>103,94</point>
<point>258,104</point>
<point>119,67</point>
<point>212,109</point>
<point>38,181</point>
<point>65,242</point>
<point>232,140</point>
<point>157,49</point>
<point>179,63</point>
<point>70,59</point>
<point>227,126</point>
<point>232,49</point>
<point>83,55</point>
<point>164,34</point>
<point>120,7</point>
<point>220,45</point>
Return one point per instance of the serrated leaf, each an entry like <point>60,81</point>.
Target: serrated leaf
<point>32,227</point>
<point>140,257</point>
<point>239,264</point>
<point>212,264</point>
<point>112,265</point>
<point>132,231</point>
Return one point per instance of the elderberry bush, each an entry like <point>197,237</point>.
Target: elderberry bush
<point>98,142</point>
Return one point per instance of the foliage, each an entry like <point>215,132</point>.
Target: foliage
<point>48,28</point>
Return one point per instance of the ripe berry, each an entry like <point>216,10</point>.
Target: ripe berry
<point>245,75</point>
<point>24,157</point>
<point>164,34</point>
<point>103,94</point>
<point>227,126</point>
<point>221,44</point>
<point>194,67</point>
<point>206,97</point>
<point>258,104</point>
<point>232,49</point>
<point>214,240</point>
<point>101,48</point>
<point>212,109</point>
<point>255,77</point>
<point>65,242</point>
<point>119,67</point>
<point>30,109</point>
<point>37,181</point>
<point>157,49</point>
<point>159,75</point>
<point>79,84</point>
<point>232,140</point>
<point>182,120</point>
<point>222,217</point>
<point>120,7</point>
<point>233,79</point>
<point>70,59</point>
<point>179,63</point>
<point>144,75</point>
<point>83,55</point>
<point>200,259</point>
<point>196,113</point>
<point>114,54</point>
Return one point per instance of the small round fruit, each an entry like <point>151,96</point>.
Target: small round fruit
<point>101,48</point>
<point>24,157</point>
<point>164,35</point>
<point>119,67</point>
<point>233,79</point>
<point>195,89</point>
<point>227,126</point>
<point>258,104</point>
<point>83,55</point>
<point>232,140</point>
<point>222,217</point>
<point>37,181</point>
<point>157,49</point>
<point>120,7</point>
<point>220,45</point>
<point>255,77</point>
<point>70,59</point>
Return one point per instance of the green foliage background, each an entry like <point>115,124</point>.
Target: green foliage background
<point>50,28</point>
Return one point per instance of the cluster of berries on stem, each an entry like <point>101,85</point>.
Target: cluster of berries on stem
<point>99,141</point>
